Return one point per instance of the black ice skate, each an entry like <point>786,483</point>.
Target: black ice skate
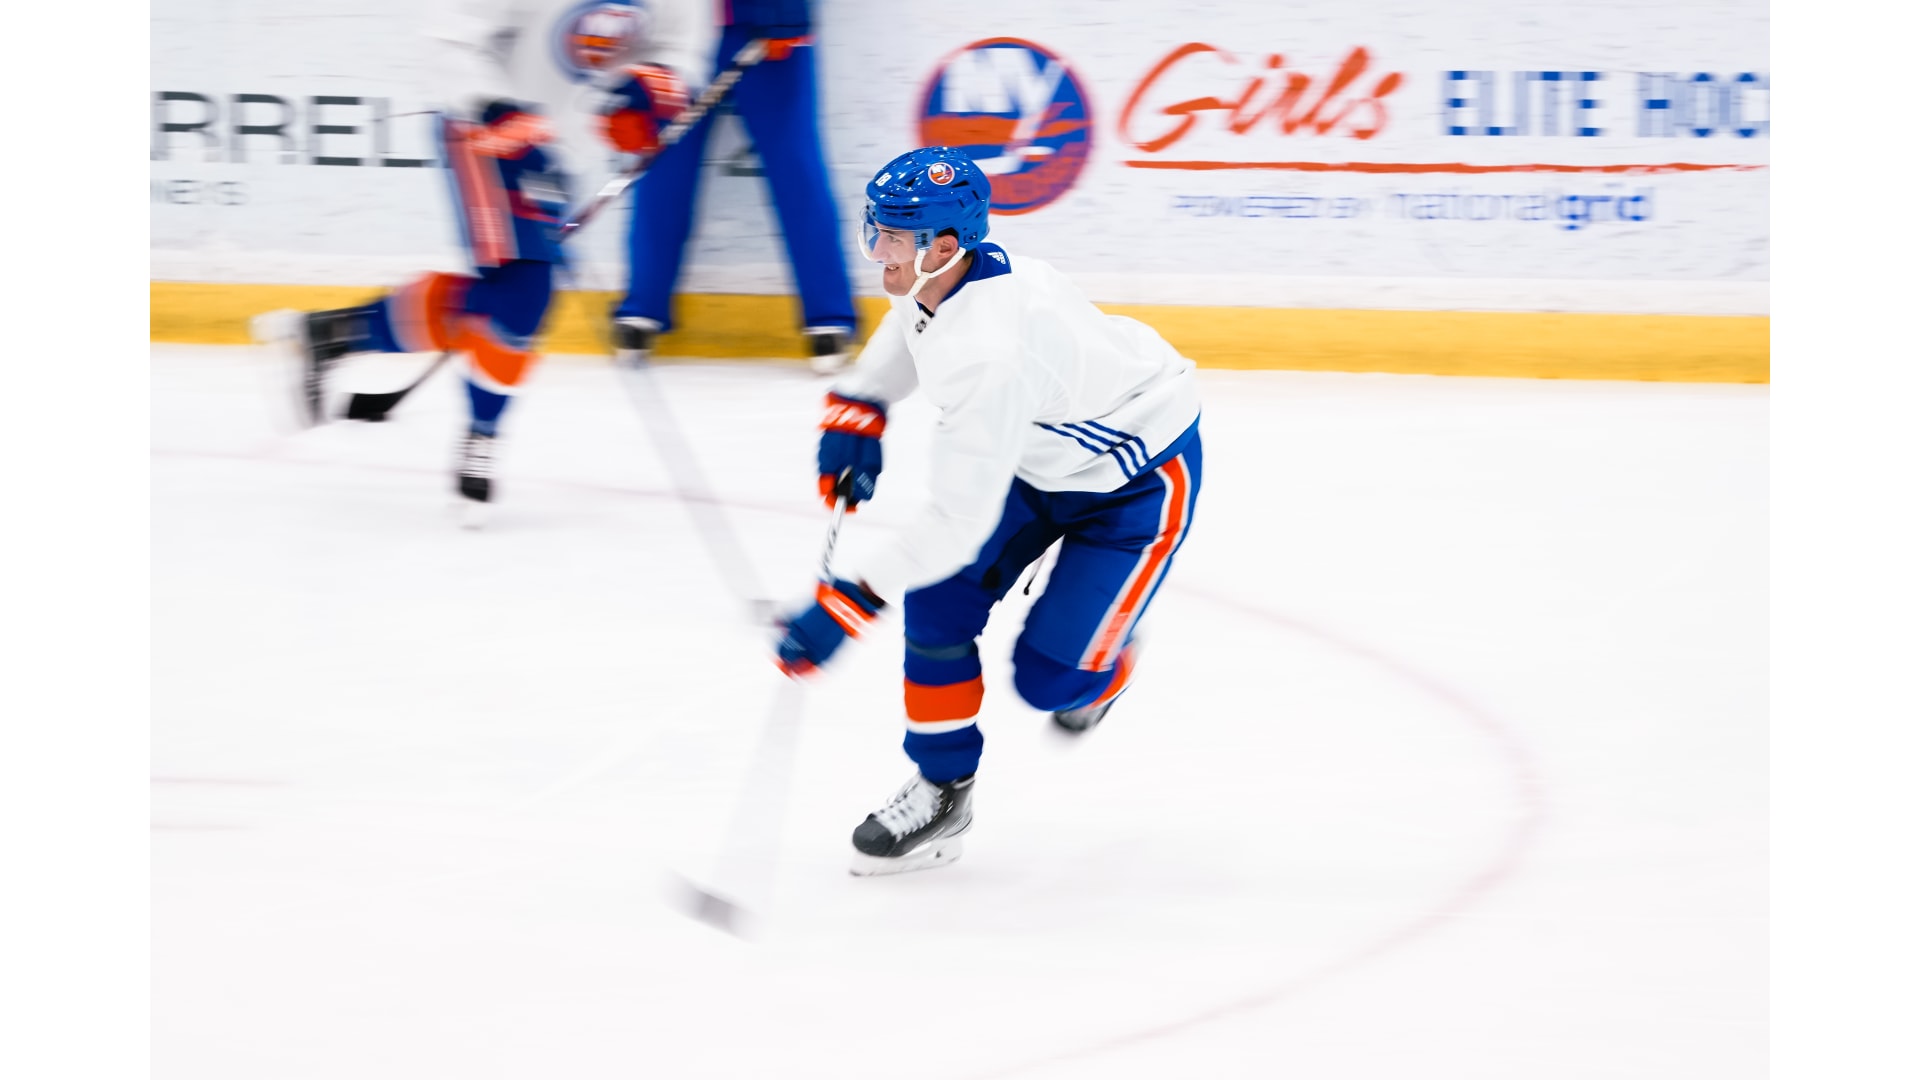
<point>919,828</point>
<point>475,477</point>
<point>1085,718</point>
<point>1082,720</point>
<point>315,342</point>
<point>633,339</point>
<point>830,348</point>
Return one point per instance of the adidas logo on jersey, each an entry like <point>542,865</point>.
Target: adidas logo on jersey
<point>999,257</point>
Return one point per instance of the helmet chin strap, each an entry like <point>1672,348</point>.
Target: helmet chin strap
<point>920,277</point>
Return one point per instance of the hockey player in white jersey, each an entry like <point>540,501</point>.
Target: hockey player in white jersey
<point>539,98</point>
<point>1057,422</point>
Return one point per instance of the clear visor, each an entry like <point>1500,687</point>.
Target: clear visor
<point>884,245</point>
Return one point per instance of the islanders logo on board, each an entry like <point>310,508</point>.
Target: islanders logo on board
<point>1018,111</point>
<point>596,35</point>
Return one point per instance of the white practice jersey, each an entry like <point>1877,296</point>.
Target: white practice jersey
<point>562,56</point>
<point>1032,381</point>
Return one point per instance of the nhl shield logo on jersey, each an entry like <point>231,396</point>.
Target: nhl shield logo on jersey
<point>1018,111</point>
<point>597,35</point>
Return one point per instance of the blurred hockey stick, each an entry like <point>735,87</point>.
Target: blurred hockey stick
<point>690,483</point>
<point>375,406</point>
<point>750,54</point>
<point>743,871</point>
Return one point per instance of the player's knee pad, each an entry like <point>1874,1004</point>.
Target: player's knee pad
<point>943,686</point>
<point>425,315</point>
<point>1052,685</point>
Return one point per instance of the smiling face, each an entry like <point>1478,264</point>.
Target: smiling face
<point>893,249</point>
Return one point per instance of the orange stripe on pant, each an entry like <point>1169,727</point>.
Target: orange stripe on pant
<point>942,704</point>
<point>424,313</point>
<point>496,365</point>
<point>1173,517</point>
<point>1122,675</point>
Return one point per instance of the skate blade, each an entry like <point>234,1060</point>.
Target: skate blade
<point>938,853</point>
<point>473,514</point>
<point>282,333</point>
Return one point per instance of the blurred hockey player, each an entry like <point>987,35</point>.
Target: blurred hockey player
<point>1057,423</point>
<point>536,93</point>
<point>777,100</point>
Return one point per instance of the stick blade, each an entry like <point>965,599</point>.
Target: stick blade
<point>372,408</point>
<point>707,906</point>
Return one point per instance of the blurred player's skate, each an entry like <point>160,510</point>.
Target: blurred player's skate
<point>311,343</point>
<point>475,478</point>
<point>830,347</point>
<point>633,339</point>
<point>919,828</point>
<point>1083,719</point>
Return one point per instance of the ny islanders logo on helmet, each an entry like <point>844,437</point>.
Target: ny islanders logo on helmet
<point>1018,112</point>
<point>597,35</point>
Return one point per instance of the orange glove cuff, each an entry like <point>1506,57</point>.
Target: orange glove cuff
<point>631,132</point>
<point>852,417</point>
<point>850,615</point>
<point>781,48</point>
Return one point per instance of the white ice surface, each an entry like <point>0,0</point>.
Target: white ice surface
<point>1447,756</point>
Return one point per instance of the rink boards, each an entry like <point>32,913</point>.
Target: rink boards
<point>1548,345</point>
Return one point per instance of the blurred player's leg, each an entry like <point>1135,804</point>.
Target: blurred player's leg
<point>779,102</point>
<point>664,201</point>
<point>414,318</point>
<point>500,315</point>
<point>491,317</point>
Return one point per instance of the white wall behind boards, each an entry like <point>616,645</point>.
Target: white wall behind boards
<point>1483,154</point>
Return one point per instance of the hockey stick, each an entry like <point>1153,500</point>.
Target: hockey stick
<point>375,406</point>
<point>690,483</point>
<point>750,846</point>
<point>750,54</point>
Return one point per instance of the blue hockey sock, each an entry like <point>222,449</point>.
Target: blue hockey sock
<point>377,328</point>
<point>947,756</point>
<point>486,407</point>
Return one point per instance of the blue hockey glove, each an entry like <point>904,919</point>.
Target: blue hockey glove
<point>841,610</point>
<point>649,96</point>
<point>850,446</point>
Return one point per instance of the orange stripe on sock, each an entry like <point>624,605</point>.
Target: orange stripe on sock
<point>424,312</point>
<point>499,362</point>
<point>938,704</point>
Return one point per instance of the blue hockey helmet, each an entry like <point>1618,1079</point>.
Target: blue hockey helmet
<point>925,192</point>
